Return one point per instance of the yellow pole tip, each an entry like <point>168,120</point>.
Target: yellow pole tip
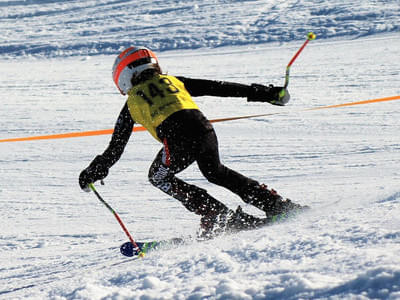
<point>141,254</point>
<point>311,36</point>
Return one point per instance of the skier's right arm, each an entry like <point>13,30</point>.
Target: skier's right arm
<point>255,92</point>
<point>98,168</point>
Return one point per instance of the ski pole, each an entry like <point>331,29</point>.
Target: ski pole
<point>135,246</point>
<point>310,36</point>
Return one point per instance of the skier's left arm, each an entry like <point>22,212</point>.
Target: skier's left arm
<point>254,92</point>
<point>98,168</point>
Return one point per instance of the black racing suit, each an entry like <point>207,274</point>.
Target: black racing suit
<point>188,136</point>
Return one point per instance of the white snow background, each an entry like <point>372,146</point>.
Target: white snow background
<point>57,242</point>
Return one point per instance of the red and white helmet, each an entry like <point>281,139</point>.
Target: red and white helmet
<point>131,63</point>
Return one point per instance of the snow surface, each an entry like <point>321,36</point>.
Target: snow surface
<point>57,242</point>
<point>59,28</point>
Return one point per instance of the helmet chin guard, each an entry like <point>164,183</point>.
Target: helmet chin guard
<point>130,63</point>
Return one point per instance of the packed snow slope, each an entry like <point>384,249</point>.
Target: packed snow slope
<point>57,242</point>
<point>60,28</point>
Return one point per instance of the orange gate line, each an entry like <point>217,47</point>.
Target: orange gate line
<point>141,128</point>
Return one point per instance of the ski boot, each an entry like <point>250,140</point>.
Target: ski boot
<point>212,225</point>
<point>240,220</point>
<point>269,201</point>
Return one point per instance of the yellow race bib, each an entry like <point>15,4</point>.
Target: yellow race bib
<point>154,100</point>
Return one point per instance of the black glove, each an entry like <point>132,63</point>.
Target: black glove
<point>272,94</point>
<point>97,170</point>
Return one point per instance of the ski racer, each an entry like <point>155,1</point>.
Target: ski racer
<point>163,104</point>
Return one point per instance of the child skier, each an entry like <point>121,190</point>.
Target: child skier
<point>163,105</point>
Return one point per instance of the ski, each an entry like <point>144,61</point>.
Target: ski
<point>128,249</point>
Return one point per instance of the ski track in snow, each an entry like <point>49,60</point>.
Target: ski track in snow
<point>64,28</point>
<point>57,242</point>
